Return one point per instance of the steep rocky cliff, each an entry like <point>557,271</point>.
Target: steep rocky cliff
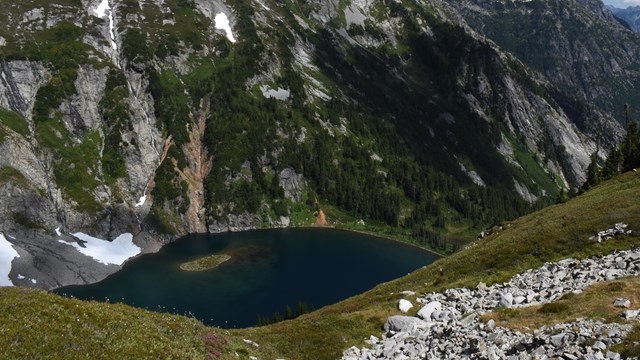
<point>166,117</point>
<point>630,15</point>
<point>580,46</point>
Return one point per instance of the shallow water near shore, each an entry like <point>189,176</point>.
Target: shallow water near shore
<point>268,270</point>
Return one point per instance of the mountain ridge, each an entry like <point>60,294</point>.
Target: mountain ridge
<point>398,114</point>
<point>580,46</point>
<point>629,15</point>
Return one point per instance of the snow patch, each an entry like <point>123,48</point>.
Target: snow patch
<point>7,254</point>
<point>34,281</point>
<point>58,233</point>
<point>101,10</point>
<point>142,200</point>
<point>105,10</point>
<point>107,252</point>
<point>112,33</point>
<point>222,23</point>
<point>20,277</point>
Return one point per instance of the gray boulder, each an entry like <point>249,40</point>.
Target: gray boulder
<point>401,323</point>
<point>427,310</point>
<point>506,300</point>
<point>621,302</point>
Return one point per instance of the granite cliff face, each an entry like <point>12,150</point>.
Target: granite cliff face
<point>580,46</point>
<point>630,15</point>
<point>162,118</point>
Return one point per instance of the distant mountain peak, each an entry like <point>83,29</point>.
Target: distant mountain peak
<point>630,15</point>
<point>621,4</point>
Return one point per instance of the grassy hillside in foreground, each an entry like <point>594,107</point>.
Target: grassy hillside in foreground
<point>39,324</point>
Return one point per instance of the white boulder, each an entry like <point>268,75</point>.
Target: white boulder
<point>404,305</point>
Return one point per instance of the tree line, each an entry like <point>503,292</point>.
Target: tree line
<point>624,158</point>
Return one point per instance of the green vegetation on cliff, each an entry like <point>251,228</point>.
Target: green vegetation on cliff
<point>404,119</point>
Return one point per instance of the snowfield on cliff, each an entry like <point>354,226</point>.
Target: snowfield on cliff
<point>115,252</point>
<point>7,254</point>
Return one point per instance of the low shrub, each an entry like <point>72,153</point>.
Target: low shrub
<point>554,308</point>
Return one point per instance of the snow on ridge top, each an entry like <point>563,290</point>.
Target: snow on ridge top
<point>101,10</point>
<point>222,23</point>
<point>107,252</point>
<point>7,254</point>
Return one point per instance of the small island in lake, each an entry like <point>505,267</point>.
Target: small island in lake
<point>205,263</point>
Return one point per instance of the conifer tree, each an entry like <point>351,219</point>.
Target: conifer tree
<point>593,173</point>
<point>630,147</point>
<point>612,165</point>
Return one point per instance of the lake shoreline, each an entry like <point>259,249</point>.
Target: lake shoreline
<point>327,265</point>
<point>160,241</point>
<point>369,233</point>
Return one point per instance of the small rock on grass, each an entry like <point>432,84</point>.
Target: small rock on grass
<point>404,305</point>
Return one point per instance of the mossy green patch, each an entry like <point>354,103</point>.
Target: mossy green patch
<point>14,121</point>
<point>11,175</point>
<point>535,175</point>
<point>164,221</point>
<point>77,164</point>
<point>115,113</point>
<point>206,263</point>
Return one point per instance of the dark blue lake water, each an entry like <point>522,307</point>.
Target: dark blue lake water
<point>268,270</point>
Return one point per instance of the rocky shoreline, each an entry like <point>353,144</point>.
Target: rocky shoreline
<point>447,325</point>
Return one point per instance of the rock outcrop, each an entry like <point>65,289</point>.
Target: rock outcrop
<point>447,326</point>
<point>630,15</point>
<point>565,43</point>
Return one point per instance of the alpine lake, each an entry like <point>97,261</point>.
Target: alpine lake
<point>230,280</point>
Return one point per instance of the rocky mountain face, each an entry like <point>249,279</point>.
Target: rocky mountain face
<point>166,117</point>
<point>580,46</point>
<point>630,15</point>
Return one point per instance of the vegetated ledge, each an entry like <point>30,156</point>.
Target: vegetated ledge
<point>61,325</point>
<point>205,263</point>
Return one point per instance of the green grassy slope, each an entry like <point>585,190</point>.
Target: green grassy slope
<point>36,324</point>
